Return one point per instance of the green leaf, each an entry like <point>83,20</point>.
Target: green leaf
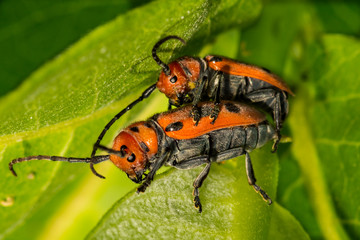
<point>327,144</point>
<point>62,107</point>
<point>33,32</point>
<point>339,17</point>
<point>231,208</point>
<point>285,226</point>
<point>292,31</point>
<point>269,42</point>
<point>293,196</point>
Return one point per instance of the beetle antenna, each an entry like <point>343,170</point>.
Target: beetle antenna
<point>93,160</point>
<point>94,171</point>
<point>145,94</point>
<point>120,153</point>
<point>114,152</point>
<point>163,65</point>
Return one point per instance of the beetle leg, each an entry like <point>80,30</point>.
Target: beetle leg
<point>195,112</point>
<point>160,160</point>
<point>272,100</point>
<point>251,179</point>
<point>277,119</point>
<point>197,184</point>
<point>215,111</point>
<point>169,106</point>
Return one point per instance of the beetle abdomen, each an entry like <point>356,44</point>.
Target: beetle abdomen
<point>240,138</point>
<point>220,145</point>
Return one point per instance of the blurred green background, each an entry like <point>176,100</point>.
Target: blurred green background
<point>313,45</point>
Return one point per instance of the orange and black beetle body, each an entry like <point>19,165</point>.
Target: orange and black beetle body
<point>172,139</point>
<point>215,78</point>
<point>192,79</point>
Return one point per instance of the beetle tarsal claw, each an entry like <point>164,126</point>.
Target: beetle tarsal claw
<point>263,194</point>
<point>276,143</point>
<point>195,114</point>
<point>197,203</point>
<point>143,186</point>
<point>214,114</point>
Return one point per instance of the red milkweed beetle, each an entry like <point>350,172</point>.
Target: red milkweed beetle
<point>192,79</point>
<point>171,138</point>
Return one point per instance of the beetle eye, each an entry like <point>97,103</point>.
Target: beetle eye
<point>131,158</point>
<point>173,79</point>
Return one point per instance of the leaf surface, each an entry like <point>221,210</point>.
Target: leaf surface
<point>33,32</point>
<point>330,116</point>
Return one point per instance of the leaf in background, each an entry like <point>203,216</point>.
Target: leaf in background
<point>64,105</point>
<point>330,118</point>
<point>268,42</point>
<point>285,226</point>
<point>293,196</point>
<point>282,32</point>
<point>339,17</point>
<point>32,32</point>
<point>291,32</point>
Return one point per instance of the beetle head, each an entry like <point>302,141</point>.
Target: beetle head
<point>174,85</point>
<point>172,81</point>
<point>136,145</point>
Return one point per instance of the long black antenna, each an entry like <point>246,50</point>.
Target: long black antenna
<point>114,152</point>
<point>93,160</point>
<point>163,65</point>
<point>145,94</point>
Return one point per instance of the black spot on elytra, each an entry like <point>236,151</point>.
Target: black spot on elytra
<point>172,127</point>
<point>134,129</point>
<point>216,59</point>
<point>144,147</point>
<point>232,107</point>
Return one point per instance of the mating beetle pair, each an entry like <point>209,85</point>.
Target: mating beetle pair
<point>200,133</point>
<point>171,138</point>
<point>192,79</point>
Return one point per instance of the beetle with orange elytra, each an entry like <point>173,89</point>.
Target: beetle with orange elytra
<point>215,78</point>
<point>172,139</point>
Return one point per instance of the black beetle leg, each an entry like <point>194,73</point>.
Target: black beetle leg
<point>277,119</point>
<point>215,111</point>
<point>195,112</point>
<point>197,184</point>
<point>251,179</point>
<point>169,106</point>
<point>273,100</point>
<point>162,156</point>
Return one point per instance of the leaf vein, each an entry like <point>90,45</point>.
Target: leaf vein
<point>337,143</point>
